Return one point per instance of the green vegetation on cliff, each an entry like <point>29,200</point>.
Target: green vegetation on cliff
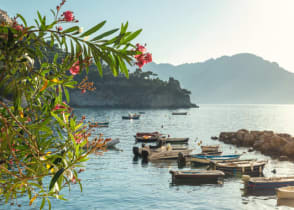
<point>140,90</point>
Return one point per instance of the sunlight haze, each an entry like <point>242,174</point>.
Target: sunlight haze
<point>189,31</point>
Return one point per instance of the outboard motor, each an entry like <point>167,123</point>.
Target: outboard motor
<point>181,160</point>
<point>145,155</point>
<point>136,151</point>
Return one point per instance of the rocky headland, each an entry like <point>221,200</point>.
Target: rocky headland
<point>276,145</point>
<point>140,90</point>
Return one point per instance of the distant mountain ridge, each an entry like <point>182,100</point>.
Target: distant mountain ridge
<point>239,79</point>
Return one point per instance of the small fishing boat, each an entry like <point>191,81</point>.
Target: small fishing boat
<point>98,124</point>
<point>147,136</point>
<point>200,159</point>
<point>210,148</point>
<point>197,176</point>
<point>165,155</point>
<point>268,184</point>
<point>149,149</point>
<point>285,192</point>
<point>148,133</point>
<point>214,137</point>
<point>131,117</point>
<point>179,113</point>
<point>240,167</point>
<point>174,140</point>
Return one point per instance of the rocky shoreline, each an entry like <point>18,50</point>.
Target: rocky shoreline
<point>276,145</point>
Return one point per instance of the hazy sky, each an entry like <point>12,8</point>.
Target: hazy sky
<point>185,31</point>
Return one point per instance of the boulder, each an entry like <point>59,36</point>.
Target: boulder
<point>257,144</point>
<point>248,140</point>
<point>288,149</point>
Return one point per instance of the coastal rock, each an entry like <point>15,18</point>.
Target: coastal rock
<point>135,92</point>
<point>267,142</point>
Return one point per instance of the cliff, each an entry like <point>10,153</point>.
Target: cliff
<point>140,90</point>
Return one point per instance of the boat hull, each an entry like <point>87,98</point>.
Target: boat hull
<point>282,194</point>
<point>268,186</point>
<point>146,140</point>
<point>241,167</point>
<point>166,155</point>
<point>196,177</point>
<point>174,140</point>
<point>200,160</point>
<point>179,113</point>
<point>130,118</point>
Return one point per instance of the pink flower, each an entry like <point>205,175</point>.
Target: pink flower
<point>58,106</point>
<point>59,28</point>
<point>140,63</point>
<point>78,138</point>
<point>142,58</point>
<point>18,27</point>
<point>75,69</point>
<point>140,48</point>
<point>68,16</point>
<point>148,57</point>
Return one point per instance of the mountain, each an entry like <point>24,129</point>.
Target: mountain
<point>240,79</point>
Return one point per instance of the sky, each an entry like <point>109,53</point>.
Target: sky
<point>187,31</point>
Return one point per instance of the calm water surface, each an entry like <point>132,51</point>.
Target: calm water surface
<point>115,181</point>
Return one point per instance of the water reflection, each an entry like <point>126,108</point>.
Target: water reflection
<point>117,181</point>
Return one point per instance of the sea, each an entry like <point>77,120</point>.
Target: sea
<point>114,180</point>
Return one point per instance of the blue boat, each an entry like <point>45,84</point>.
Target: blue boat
<point>266,184</point>
<point>201,159</point>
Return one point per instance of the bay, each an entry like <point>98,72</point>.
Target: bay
<point>115,181</point>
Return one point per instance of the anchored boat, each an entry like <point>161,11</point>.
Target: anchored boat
<point>200,159</point>
<point>210,149</point>
<point>174,140</point>
<point>267,185</point>
<point>131,117</point>
<point>285,192</point>
<point>147,136</point>
<point>179,113</point>
<point>240,167</point>
<point>197,176</point>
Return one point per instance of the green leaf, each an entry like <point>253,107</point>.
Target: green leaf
<point>49,203</point>
<point>123,67</point>
<point>131,37</point>
<point>53,12</point>
<point>43,203</point>
<point>107,33</point>
<point>55,178</point>
<point>22,18</point>
<point>66,94</point>
<point>97,62</point>
<point>71,29</point>
<point>124,28</point>
<point>58,119</point>
<point>93,29</point>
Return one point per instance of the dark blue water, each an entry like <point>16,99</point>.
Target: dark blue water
<point>115,181</point>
